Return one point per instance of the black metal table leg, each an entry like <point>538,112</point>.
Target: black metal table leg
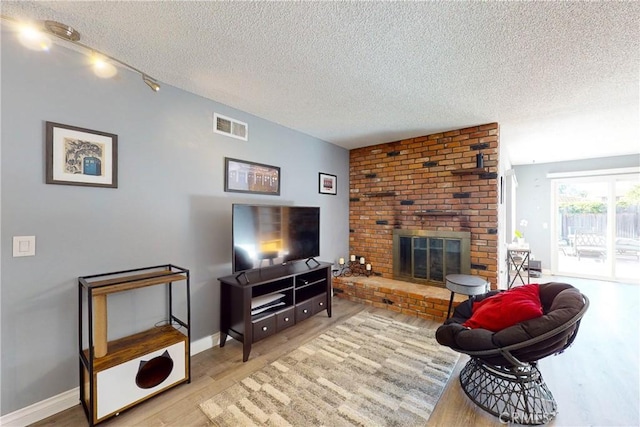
<point>450,304</point>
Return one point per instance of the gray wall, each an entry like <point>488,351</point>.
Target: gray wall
<point>533,197</point>
<point>170,206</point>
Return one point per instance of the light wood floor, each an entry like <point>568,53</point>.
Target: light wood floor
<point>595,382</point>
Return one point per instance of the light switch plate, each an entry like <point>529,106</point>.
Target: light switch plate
<point>24,246</point>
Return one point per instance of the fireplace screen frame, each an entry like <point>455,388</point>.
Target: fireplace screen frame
<point>464,237</point>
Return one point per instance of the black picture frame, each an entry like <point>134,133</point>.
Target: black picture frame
<point>327,183</point>
<point>241,176</point>
<point>79,156</point>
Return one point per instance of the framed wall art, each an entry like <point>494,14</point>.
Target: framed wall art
<point>78,156</point>
<point>328,183</point>
<point>249,177</point>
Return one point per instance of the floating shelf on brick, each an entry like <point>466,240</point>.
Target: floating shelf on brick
<point>468,171</point>
<point>438,212</point>
<point>380,194</point>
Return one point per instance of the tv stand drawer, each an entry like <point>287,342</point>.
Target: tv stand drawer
<point>304,310</point>
<point>284,319</point>
<point>319,303</point>
<point>264,327</point>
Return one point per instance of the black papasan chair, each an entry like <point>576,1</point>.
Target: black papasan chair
<point>502,376</point>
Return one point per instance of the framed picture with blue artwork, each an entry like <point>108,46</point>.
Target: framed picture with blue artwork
<point>78,156</point>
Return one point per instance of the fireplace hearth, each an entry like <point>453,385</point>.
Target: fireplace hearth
<point>427,257</point>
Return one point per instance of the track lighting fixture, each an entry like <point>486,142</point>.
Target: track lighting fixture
<point>151,83</point>
<point>103,64</point>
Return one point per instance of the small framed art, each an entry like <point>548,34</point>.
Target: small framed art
<point>328,183</point>
<point>78,156</point>
<point>249,177</point>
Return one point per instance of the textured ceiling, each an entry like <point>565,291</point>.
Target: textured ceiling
<point>561,78</point>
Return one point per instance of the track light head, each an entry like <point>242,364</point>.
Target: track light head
<point>151,83</point>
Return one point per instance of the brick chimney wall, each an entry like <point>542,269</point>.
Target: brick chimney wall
<point>426,183</point>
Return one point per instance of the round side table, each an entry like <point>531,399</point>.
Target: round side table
<point>466,285</point>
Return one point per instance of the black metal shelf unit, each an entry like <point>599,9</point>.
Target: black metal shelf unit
<point>160,356</point>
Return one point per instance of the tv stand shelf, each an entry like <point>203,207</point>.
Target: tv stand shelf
<point>298,291</point>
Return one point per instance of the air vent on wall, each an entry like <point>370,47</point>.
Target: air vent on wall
<point>230,127</point>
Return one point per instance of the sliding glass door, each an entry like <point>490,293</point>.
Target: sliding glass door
<point>625,239</point>
<point>597,227</point>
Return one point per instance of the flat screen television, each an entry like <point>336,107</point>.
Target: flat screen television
<point>264,235</point>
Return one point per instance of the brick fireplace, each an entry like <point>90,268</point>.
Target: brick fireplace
<point>433,182</point>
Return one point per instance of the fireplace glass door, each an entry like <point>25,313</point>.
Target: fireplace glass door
<point>429,258</point>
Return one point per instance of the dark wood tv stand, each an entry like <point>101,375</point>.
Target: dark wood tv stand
<point>301,290</point>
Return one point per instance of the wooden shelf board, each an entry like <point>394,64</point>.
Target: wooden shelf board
<point>136,345</point>
<point>469,171</point>
<point>120,284</point>
<point>380,194</point>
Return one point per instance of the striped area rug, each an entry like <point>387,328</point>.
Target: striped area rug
<point>367,371</point>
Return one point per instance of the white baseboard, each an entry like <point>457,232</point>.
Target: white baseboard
<point>41,410</point>
<point>205,343</point>
<point>68,399</point>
